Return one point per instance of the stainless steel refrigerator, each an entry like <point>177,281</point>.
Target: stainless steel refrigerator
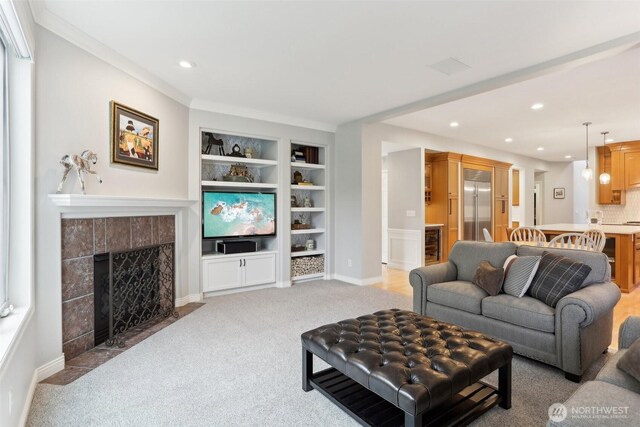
<point>477,203</point>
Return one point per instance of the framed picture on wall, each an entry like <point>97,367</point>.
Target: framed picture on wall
<point>558,193</point>
<point>134,137</point>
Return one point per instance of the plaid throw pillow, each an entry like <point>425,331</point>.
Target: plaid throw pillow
<point>557,277</point>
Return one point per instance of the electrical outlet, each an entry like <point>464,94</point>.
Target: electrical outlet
<point>349,263</point>
<point>411,213</point>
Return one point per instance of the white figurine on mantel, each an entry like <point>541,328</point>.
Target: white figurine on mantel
<point>82,164</point>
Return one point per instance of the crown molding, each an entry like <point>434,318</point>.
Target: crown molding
<point>46,19</point>
<point>216,107</point>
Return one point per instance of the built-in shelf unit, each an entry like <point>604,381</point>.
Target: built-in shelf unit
<point>223,272</point>
<point>309,220</point>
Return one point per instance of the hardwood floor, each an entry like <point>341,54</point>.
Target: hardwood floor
<point>629,304</point>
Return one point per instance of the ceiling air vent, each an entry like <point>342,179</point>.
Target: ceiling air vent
<point>450,66</point>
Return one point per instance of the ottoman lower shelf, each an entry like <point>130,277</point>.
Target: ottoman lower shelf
<point>372,410</point>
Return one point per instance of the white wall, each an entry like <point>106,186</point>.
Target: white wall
<point>347,197</point>
<point>406,189</point>
<point>73,90</point>
<point>240,125</point>
<point>580,193</point>
<point>558,211</point>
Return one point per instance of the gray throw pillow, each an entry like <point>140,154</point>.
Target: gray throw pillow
<point>556,278</point>
<point>630,360</point>
<point>519,272</point>
<point>489,278</point>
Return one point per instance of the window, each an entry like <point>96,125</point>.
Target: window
<point>4,184</point>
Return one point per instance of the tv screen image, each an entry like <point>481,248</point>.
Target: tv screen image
<point>228,214</point>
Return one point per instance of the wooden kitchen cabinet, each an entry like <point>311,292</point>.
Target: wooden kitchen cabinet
<point>515,197</point>
<point>607,195</point>
<point>443,207</point>
<point>501,183</point>
<point>501,219</point>
<point>632,169</point>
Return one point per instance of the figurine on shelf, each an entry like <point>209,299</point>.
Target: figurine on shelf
<point>238,173</point>
<point>310,244</point>
<point>307,202</point>
<point>294,202</point>
<point>297,177</point>
<point>211,141</point>
<point>248,152</point>
<point>236,152</point>
<point>82,164</point>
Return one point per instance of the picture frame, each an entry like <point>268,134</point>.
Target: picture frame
<point>558,193</point>
<point>134,137</point>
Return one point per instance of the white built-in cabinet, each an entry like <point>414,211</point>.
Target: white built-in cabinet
<point>222,272</point>
<point>274,168</point>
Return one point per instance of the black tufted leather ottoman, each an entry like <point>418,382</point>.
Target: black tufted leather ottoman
<point>395,367</point>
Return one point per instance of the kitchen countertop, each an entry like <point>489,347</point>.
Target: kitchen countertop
<point>580,228</point>
<point>439,225</point>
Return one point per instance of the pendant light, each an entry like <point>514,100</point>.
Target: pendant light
<point>587,173</point>
<point>605,178</point>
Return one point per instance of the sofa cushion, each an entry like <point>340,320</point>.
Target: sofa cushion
<point>556,278</point>
<point>610,373</point>
<point>526,311</point>
<point>630,361</point>
<point>489,278</point>
<point>467,255</point>
<point>459,294</point>
<point>599,262</point>
<point>598,394</point>
<point>519,272</point>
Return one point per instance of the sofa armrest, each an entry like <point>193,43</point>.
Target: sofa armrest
<point>595,300</point>
<point>629,331</point>
<point>423,277</point>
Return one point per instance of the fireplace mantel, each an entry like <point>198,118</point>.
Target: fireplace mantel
<point>78,205</point>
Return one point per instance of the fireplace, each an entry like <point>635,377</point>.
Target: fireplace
<point>97,308</point>
<point>131,288</point>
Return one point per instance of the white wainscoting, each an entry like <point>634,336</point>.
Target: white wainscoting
<point>405,249</point>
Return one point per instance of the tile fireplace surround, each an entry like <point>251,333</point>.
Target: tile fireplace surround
<point>80,240</point>
<point>90,225</point>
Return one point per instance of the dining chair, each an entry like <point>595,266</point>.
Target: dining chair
<point>527,234</point>
<point>598,237</point>
<point>509,230</point>
<point>487,235</point>
<point>573,241</point>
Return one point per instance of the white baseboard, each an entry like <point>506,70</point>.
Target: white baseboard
<point>41,373</point>
<point>359,282</point>
<point>238,290</point>
<point>50,368</point>
<point>285,284</point>
<point>27,401</point>
<point>187,299</point>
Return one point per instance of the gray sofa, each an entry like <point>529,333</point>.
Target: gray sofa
<point>570,336</point>
<point>614,393</point>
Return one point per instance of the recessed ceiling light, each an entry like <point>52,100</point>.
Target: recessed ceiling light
<point>609,140</point>
<point>537,106</point>
<point>540,148</point>
<point>568,156</point>
<point>186,64</point>
<point>508,140</point>
<point>454,124</point>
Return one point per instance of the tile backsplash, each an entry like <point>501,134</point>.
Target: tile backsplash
<point>618,214</point>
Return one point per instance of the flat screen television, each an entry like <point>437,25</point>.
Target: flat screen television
<point>238,214</point>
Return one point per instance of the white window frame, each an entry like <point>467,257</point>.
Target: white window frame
<point>5,182</point>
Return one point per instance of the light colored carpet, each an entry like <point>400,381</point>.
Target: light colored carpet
<point>237,361</point>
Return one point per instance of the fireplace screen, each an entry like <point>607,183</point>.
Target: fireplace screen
<point>136,287</point>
